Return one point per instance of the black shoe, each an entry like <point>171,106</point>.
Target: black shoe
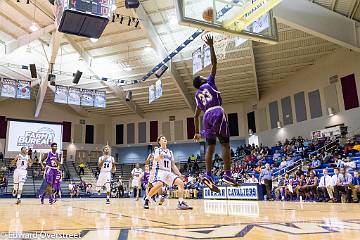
<point>210,184</point>
<point>146,204</point>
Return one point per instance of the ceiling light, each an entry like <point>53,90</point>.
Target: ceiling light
<point>94,40</point>
<point>173,20</point>
<point>34,27</point>
<point>331,111</point>
<point>127,69</point>
<point>148,49</point>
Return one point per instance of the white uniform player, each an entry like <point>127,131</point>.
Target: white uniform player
<point>136,174</point>
<point>20,174</point>
<point>163,171</point>
<point>166,172</point>
<point>107,166</point>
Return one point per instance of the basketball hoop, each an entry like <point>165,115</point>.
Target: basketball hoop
<point>220,43</point>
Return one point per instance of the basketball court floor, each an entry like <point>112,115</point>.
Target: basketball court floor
<point>210,219</point>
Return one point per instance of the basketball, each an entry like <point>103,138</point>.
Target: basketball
<point>208,14</point>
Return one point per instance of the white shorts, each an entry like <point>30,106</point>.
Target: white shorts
<point>104,177</point>
<point>135,183</point>
<point>165,176</point>
<point>20,175</point>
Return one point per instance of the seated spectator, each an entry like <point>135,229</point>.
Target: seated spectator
<point>324,187</point>
<point>315,163</point>
<point>276,155</point>
<point>253,179</point>
<point>3,183</point>
<point>283,164</point>
<point>342,185</point>
<point>355,186</point>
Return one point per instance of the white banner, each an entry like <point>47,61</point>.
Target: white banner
<point>37,136</point>
<point>241,192</point>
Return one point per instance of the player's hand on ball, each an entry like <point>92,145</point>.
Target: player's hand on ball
<point>209,40</point>
<point>197,137</point>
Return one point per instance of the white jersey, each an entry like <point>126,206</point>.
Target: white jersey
<point>164,164</point>
<point>22,162</point>
<point>136,173</point>
<point>108,163</point>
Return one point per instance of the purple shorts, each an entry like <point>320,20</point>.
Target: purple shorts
<point>50,175</point>
<point>215,124</point>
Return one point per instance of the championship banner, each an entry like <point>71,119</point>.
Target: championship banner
<point>61,94</point>
<point>74,96</point>
<point>243,192</point>
<point>23,89</point>
<point>8,87</point>
<point>35,135</point>
<point>158,89</point>
<point>100,99</point>
<point>197,60</point>
<point>87,97</point>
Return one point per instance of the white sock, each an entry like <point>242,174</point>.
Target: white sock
<point>181,200</point>
<point>19,196</point>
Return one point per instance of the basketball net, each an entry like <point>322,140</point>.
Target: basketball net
<point>220,43</point>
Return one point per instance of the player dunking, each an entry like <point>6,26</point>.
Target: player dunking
<point>166,173</point>
<point>107,166</point>
<point>22,161</point>
<point>51,170</point>
<point>215,123</point>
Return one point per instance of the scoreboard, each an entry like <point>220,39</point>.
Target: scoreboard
<point>86,18</point>
<point>97,7</point>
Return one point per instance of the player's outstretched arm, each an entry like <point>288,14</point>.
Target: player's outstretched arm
<point>175,169</point>
<point>101,162</point>
<point>197,135</point>
<point>210,42</point>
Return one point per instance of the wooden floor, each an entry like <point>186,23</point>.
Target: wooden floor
<point>210,219</point>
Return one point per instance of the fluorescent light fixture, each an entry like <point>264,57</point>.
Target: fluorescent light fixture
<point>331,111</point>
<point>173,20</point>
<point>148,49</point>
<point>34,27</point>
<point>94,40</point>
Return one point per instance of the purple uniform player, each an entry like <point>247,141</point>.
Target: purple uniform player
<point>57,183</point>
<point>51,170</point>
<point>215,123</point>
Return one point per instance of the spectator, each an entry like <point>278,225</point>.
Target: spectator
<point>193,158</point>
<point>283,164</point>
<point>36,160</point>
<point>276,155</point>
<point>355,186</point>
<point>3,183</point>
<point>198,158</point>
<point>82,168</point>
<point>252,179</point>
<point>342,185</point>
<point>334,181</point>
<point>1,156</point>
<point>30,153</point>
<point>120,187</point>
<point>324,187</point>
<point>315,163</point>
<point>266,179</point>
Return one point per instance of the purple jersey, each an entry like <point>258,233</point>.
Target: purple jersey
<point>146,178</point>
<point>57,182</point>
<point>207,96</point>
<point>312,181</point>
<point>302,182</point>
<point>208,100</point>
<point>51,159</point>
<point>295,183</point>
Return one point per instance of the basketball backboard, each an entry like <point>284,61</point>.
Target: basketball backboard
<point>249,19</point>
